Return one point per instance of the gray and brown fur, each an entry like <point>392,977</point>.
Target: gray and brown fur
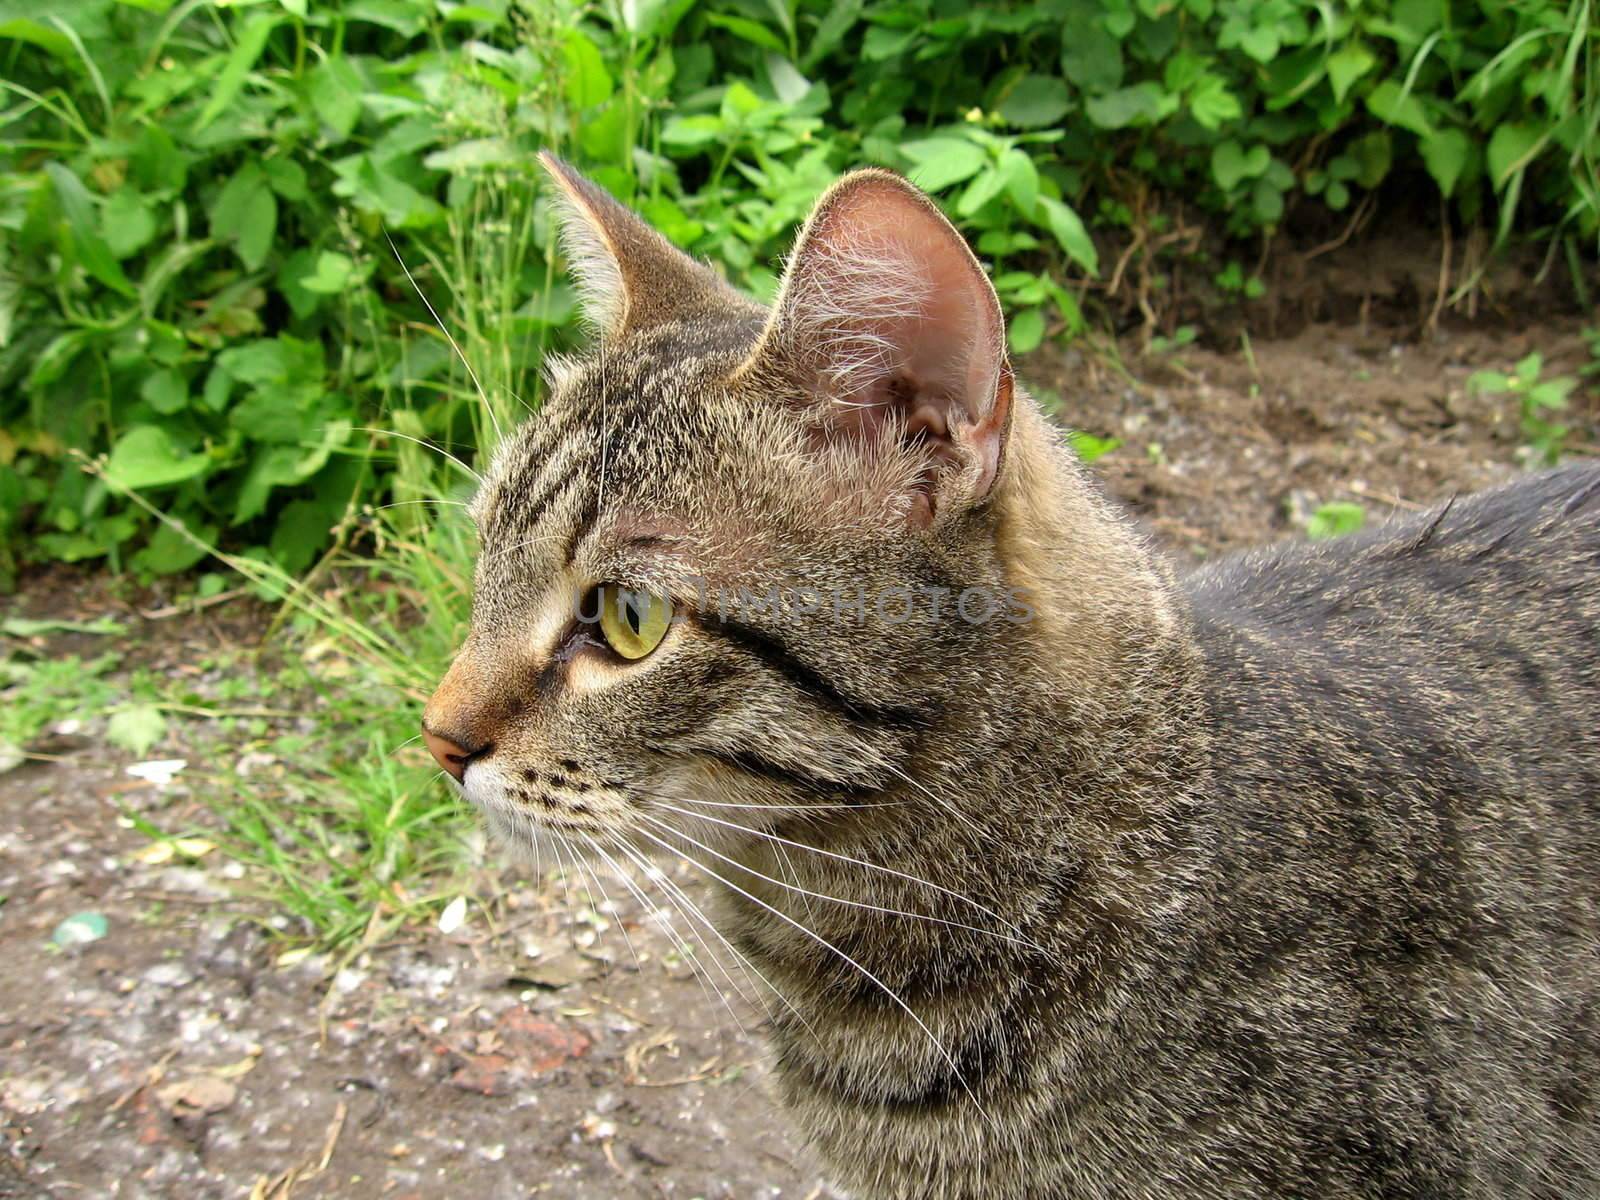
<point>1280,879</point>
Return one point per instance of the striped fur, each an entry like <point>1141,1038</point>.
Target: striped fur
<point>1281,879</point>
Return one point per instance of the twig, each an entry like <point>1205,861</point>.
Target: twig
<point>1432,323</point>
<point>1363,210</point>
<point>191,606</point>
<point>1366,493</point>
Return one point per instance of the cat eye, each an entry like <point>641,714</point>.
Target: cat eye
<point>633,622</point>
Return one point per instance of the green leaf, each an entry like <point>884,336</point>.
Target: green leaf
<point>1266,203</point>
<point>170,552</point>
<point>145,457</point>
<point>1393,106</point>
<point>334,89</point>
<point>21,29</point>
<point>1026,330</point>
<point>1022,179</point>
<point>246,50</point>
<point>277,466</point>
<point>1552,393</point>
<point>332,275</point>
<point>1348,64</point>
<point>93,254</point>
<point>374,189</point>
<point>475,154</point>
<point>127,223</point>
<point>1261,43</point>
<point>300,531</point>
<point>137,729</point>
<point>942,161</point>
<point>246,212</point>
<point>693,131</point>
<point>1035,100</point>
<point>405,17</point>
<point>1371,155</point>
<point>983,188</point>
<point>882,42</point>
<point>286,177</point>
<point>1513,146</point>
<point>1142,104</point>
<point>1335,519</point>
<point>787,83</point>
<point>1212,104</point>
<point>1491,382</point>
<point>588,83</point>
<point>1231,163</point>
<point>1089,447</point>
<point>1419,18</point>
<point>1091,59</point>
<point>605,139</point>
<point>842,17</point>
<point>156,164</point>
<point>751,31</point>
<point>1446,154</point>
<point>1070,232</point>
<point>165,390</point>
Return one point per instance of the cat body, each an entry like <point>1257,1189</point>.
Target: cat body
<point>1357,959</point>
<point>1063,877</point>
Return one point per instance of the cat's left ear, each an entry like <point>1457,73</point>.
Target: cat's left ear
<point>629,277</point>
<point>885,315</point>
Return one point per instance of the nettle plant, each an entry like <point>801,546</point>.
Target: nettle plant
<point>199,297</point>
<point>1540,401</point>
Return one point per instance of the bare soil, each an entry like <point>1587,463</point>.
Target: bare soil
<point>533,1051</point>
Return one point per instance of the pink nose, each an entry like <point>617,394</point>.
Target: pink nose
<point>452,757</point>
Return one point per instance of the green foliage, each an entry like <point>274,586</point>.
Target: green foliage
<point>35,693</point>
<point>1538,400</point>
<point>196,199</point>
<point>1335,519</point>
<point>1089,447</point>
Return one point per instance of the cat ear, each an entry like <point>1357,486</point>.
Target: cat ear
<point>885,315</point>
<point>629,277</point>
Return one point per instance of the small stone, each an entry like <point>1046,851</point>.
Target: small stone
<point>169,974</point>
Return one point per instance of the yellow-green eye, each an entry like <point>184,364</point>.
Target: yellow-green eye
<point>634,622</point>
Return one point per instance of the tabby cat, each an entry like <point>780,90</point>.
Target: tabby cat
<point>1068,877</point>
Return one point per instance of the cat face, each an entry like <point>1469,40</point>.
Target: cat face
<point>742,563</point>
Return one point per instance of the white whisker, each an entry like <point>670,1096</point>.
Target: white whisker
<point>690,912</point>
<point>818,938</point>
<point>622,927</point>
<point>471,374</point>
<point>789,808</point>
<point>423,442</point>
<point>862,904</point>
<point>943,803</point>
<point>834,854</point>
<point>745,964</point>
<point>505,550</point>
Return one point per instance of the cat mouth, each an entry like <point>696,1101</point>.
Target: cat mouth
<point>516,808</point>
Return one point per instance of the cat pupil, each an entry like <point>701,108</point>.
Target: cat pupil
<point>633,617</point>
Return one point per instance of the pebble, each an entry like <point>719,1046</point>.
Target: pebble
<point>169,974</point>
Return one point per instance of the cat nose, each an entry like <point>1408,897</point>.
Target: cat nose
<point>452,756</point>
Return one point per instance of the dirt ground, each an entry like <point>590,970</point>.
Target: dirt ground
<point>543,1055</point>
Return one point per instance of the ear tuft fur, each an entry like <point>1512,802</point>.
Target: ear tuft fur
<point>629,277</point>
<point>591,257</point>
<point>886,319</point>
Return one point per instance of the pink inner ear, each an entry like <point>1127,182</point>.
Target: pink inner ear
<point>888,314</point>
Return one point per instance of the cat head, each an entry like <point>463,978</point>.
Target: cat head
<point>744,565</point>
